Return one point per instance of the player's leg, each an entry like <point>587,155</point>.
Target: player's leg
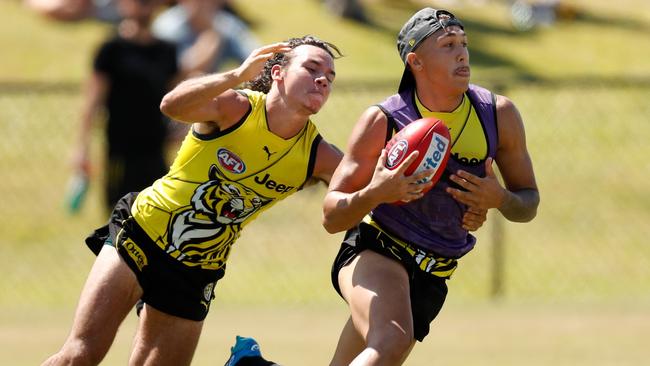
<point>108,296</point>
<point>377,291</point>
<point>163,339</point>
<point>350,344</point>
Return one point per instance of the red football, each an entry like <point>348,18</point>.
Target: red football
<point>430,137</point>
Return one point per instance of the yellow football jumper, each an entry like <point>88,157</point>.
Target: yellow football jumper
<point>218,184</point>
<point>468,139</point>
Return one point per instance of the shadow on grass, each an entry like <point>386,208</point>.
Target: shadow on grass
<point>387,17</point>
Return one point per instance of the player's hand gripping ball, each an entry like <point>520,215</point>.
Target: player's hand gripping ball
<point>431,138</point>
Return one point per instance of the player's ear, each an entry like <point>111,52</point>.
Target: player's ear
<point>276,72</point>
<point>414,61</point>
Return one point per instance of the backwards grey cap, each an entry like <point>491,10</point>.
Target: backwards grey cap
<point>421,25</point>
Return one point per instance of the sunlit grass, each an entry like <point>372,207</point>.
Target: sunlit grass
<point>575,279</point>
<point>588,145</point>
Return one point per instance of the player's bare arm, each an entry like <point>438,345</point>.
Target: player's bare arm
<point>211,99</point>
<point>519,199</point>
<point>361,181</point>
<point>328,157</point>
<point>522,196</point>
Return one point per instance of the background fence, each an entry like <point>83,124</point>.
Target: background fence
<point>588,244</point>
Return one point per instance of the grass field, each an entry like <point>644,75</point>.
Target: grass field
<point>576,288</point>
<point>478,334</point>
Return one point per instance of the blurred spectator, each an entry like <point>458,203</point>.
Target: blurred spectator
<point>132,71</point>
<point>208,34</point>
<point>530,14</point>
<point>185,24</point>
<point>190,21</point>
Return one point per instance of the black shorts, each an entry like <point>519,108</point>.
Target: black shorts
<point>427,272</point>
<point>168,285</point>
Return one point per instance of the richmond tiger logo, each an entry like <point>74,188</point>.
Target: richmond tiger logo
<point>204,231</point>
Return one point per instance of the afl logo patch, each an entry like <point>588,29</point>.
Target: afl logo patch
<point>397,153</point>
<point>230,161</point>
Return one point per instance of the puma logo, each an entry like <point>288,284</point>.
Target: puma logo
<point>268,152</point>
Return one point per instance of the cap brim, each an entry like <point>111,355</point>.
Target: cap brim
<point>407,82</point>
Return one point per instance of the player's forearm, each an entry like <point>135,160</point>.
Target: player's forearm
<point>341,211</point>
<point>520,205</point>
<point>195,93</point>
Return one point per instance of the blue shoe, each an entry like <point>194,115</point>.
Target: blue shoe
<point>244,347</point>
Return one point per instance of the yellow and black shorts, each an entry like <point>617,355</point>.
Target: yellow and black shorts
<point>427,272</point>
<point>168,285</point>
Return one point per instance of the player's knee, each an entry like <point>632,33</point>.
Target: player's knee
<point>79,352</point>
<point>393,346</point>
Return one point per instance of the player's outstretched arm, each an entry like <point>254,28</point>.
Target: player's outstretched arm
<point>210,98</point>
